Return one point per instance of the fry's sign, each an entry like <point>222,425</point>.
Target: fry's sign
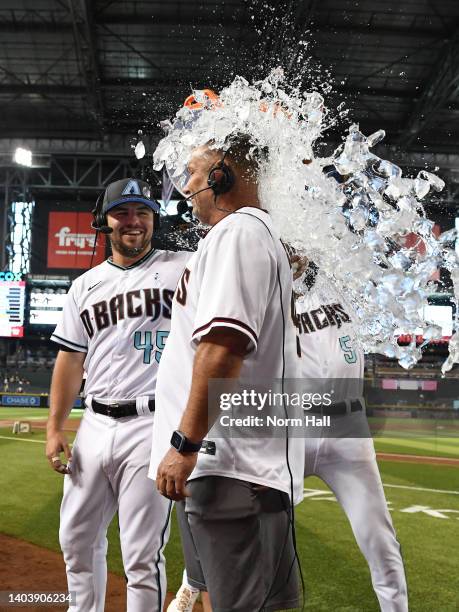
<point>71,240</point>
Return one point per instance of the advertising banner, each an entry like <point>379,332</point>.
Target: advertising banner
<point>71,240</point>
<point>20,400</point>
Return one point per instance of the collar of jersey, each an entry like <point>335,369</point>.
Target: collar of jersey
<point>241,209</point>
<point>134,265</point>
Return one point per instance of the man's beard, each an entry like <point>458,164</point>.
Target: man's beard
<point>130,251</point>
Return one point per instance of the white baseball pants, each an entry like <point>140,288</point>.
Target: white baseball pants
<point>109,472</point>
<point>348,466</point>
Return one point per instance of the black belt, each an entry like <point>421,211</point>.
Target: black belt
<point>117,411</point>
<point>338,408</point>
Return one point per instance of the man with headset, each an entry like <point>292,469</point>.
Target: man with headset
<point>114,326</point>
<point>230,320</point>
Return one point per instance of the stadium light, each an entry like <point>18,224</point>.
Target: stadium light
<point>23,157</point>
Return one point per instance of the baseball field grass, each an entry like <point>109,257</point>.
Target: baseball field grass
<point>423,499</point>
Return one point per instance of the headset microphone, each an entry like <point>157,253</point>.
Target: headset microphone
<point>103,229</point>
<point>180,202</point>
<point>182,207</point>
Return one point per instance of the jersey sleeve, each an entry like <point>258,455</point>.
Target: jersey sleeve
<point>238,273</point>
<point>70,331</point>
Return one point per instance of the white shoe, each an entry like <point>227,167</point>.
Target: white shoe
<point>184,600</point>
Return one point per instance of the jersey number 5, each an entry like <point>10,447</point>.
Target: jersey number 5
<point>349,353</point>
<point>147,345</point>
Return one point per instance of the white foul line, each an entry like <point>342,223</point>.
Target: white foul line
<point>22,439</point>
<point>393,486</point>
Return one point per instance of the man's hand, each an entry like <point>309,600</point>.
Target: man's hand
<point>56,443</point>
<point>173,472</point>
<point>299,264</point>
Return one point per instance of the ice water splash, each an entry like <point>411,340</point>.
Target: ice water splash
<point>139,150</point>
<point>351,213</point>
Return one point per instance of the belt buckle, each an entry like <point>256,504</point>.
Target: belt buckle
<point>110,408</point>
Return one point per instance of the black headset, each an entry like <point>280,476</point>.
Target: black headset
<point>99,218</point>
<point>221,178</point>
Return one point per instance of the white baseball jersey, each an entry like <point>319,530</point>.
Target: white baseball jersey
<point>348,464</point>
<point>231,281</point>
<point>122,330</point>
<point>327,344</point>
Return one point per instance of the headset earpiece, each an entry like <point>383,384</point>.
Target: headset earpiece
<point>221,178</point>
<point>100,219</point>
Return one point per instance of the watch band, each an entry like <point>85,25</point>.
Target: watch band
<point>181,444</point>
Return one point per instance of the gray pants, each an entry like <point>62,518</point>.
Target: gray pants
<point>237,543</point>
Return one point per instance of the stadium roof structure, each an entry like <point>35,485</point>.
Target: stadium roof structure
<point>83,76</point>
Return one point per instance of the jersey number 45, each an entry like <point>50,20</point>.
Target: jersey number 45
<point>147,346</point>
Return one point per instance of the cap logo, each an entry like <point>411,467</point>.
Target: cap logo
<point>132,188</point>
<point>146,192</point>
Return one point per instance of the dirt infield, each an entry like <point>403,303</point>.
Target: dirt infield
<point>25,567</point>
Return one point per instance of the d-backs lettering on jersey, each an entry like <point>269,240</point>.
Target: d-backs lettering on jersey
<point>120,317</point>
<point>150,303</point>
<point>316,319</point>
<point>326,340</point>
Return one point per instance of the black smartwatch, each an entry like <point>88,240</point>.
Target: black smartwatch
<point>182,445</point>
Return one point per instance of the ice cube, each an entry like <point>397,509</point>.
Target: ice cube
<point>401,261</point>
<point>449,236</point>
<point>377,183</point>
<point>407,203</point>
<point>139,150</point>
<point>358,218</point>
<point>389,350</point>
<point>386,168</point>
<point>376,137</point>
<point>392,191</point>
<point>423,227</point>
<point>453,356</point>
<point>345,165</point>
<point>421,188</point>
<point>434,180</point>
<point>412,302</point>
<point>375,241</point>
<point>316,100</point>
<point>398,187</point>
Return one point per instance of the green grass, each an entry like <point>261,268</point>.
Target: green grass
<point>428,446</point>
<point>337,577</point>
<point>38,414</point>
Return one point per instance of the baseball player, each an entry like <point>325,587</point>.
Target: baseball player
<point>230,319</point>
<point>348,464</point>
<point>114,327</point>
